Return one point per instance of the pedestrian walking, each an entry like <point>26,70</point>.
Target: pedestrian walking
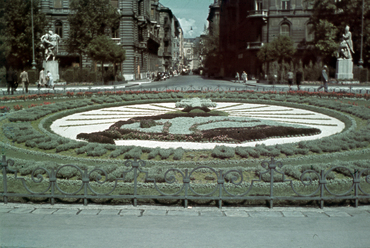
<point>25,81</point>
<point>290,79</point>
<point>298,78</point>
<point>49,79</point>
<point>324,79</point>
<point>244,77</point>
<point>42,80</point>
<point>237,77</point>
<point>10,80</point>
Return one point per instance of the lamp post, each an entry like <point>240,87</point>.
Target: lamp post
<point>33,40</point>
<point>361,62</point>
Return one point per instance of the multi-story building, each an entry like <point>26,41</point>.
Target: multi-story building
<point>246,25</point>
<point>190,55</point>
<point>139,32</point>
<point>170,31</point>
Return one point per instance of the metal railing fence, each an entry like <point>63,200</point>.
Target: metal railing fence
<point>186,191</point>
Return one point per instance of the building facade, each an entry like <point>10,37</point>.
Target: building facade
<point>140,33</point>
<point>246,25</point>
<point>191,57</point>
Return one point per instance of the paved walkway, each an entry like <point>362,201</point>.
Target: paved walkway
<point>147,210</point>
<point>62,88</point>
<point>38,225</point>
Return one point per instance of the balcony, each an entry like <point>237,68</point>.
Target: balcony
<point>141,45</point>
<point>167,54</point>
<point>254,45</point>
<point>141,18</point>
<point>154,38</point>
<point>263,14</point>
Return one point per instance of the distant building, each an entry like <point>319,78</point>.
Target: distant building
<point>191,58</point>
<point>246,25</point>
<point>140,32</point>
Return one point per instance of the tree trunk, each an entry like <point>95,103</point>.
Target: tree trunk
<point>102,72</point>
<point>115,72</point>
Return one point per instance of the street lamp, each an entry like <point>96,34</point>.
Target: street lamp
<point>361,62</point>
<point>33,40</point>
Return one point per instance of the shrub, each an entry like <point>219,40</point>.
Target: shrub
<point>253,152</point>
<point>68,146</point>
<point>120,150</point>
<point>67,172</point>
<point>97,152</point>
<point>133,153</point>
<point>153,153</point>
<point>147,123</point>
<point>48,145</point>
<point>223,152</point>
<point>166,153</point>
<point>178,153</point>
<point>242,152</point>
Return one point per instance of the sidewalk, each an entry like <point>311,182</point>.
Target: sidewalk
<point>58,88</point>
<point>148,210</point>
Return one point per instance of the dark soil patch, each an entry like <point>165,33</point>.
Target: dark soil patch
<point>258,132</point>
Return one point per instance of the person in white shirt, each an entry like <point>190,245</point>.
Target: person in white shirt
<point>50,80</point>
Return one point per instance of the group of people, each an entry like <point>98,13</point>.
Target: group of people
<point>45,80</point>
<point>290,76</point>
<point>298,78</point>
<point>244,77</point>
<point>12,80</point>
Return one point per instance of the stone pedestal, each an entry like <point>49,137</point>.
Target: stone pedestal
<point>53,67</point>
<point>344,69</point>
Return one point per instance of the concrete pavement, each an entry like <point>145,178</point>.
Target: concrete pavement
<point>38,225</point>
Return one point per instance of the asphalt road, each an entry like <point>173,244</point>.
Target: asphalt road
<point>189,82</point>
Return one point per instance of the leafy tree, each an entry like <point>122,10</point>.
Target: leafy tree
<point>282,48</point>
<point>91,18</point>
<point>104,49</point>
<point>210,49</point>
<point>16,31</point>
<point>330,18</point>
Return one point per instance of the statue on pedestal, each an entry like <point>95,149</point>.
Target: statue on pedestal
<point>346,46</point>
<point>344,69</point>
<point>49,42</point>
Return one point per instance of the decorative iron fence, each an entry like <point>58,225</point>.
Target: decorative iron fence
<point>186,191</point>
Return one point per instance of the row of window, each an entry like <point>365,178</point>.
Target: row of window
<point>310,35</point>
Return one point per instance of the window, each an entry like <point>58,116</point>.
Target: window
<point>58,4</point>
<point>59,28</point>
<point>285,29</point>
<point>310,34</point>
<point>285,4</point>
<point>115,33</point>
<point>258,4</point>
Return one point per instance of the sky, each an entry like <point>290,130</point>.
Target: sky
<point>192,14</point>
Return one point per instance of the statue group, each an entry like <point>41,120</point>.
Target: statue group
<point>49,42</point>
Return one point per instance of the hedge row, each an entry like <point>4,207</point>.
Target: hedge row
<point>111,172</point>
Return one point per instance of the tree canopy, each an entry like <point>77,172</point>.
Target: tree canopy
<point>104,49</point>
<point>16,31</point>
<point>90,19</point>
<point>282,48</point>
<point>330,19</point>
